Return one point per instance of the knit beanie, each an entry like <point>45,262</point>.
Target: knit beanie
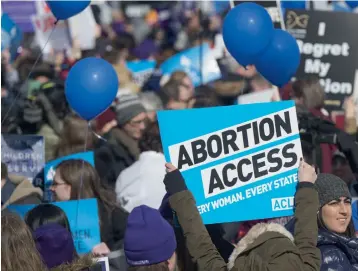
<point>330,187</point>
<point>55,244</point>
<point>129,107</point>
<point>149,239</point>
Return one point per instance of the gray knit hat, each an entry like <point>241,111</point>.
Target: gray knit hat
<point>129,107</point>
<point>331,187</point>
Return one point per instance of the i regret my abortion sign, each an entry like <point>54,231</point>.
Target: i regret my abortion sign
<point>240,162</point>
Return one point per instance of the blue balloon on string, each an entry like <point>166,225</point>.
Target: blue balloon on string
<point>67,8</point>
<point>352,4</point>
<point>281,59</point>
<point>91,87</point>
<point>247,31</point>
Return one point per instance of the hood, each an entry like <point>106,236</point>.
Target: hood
<point>81,264</point>
<point>347,245</point>
<point>255,232</point>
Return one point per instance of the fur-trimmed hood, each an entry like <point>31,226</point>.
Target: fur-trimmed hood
<point>81,264</point>
<point>253,235</point>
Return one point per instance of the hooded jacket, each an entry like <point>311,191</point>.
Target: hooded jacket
<point>24,193</point>
<point>339,253</point>
<point>267,247</point>
<point>85,263</point>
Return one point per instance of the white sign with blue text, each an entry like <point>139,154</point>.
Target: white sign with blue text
<point>240,162</point>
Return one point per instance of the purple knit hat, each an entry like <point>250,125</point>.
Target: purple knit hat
<point>149,239</point>
<point>55,245</point>
<point>145,49</point>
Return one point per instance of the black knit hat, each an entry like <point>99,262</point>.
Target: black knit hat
<point>331,187</point>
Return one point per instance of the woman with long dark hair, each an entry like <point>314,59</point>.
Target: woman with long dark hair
<point>44,214</point>
<point>77,179</point>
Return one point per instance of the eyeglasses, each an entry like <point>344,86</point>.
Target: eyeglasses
<point>138,122</point>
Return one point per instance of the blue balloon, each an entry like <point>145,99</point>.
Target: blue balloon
<point>247,31</point>
<point>352,4</point>
<point>281,59</point>
<point>91,86</point>
<point>67,8</point>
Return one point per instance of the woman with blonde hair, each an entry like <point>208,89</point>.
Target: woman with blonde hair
<point>74,136</point>
<point>18,249</point>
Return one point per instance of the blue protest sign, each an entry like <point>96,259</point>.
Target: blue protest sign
<point>198,62</point>
<point>11,35</point>
<point>141,70</point>
<point>50,169</point>
<point>240,162</point>
<point>24,155</point>
<point>83,218</point>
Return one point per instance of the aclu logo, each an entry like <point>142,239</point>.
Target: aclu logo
<point>281,204</point>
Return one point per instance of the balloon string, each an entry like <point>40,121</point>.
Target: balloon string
<point>81,182</point>
<point>95,134</point>
<point>30,73</point>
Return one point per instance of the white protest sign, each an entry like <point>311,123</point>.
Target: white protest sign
<point>83,21</point>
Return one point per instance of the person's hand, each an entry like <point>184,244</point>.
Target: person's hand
<point>169,167</point>
<point>108,126</point>
<point>100,250</point>
<point>173,180</point>
<point>306,173</point>
<point>349,107</point>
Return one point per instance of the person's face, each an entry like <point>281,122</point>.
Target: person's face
<point>172,262</point>
<point>61,190</point>
<point>135,127</point>
<point>337,214</point>
<point>186,90</point>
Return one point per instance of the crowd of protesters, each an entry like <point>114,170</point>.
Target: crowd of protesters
<point>148,218</point>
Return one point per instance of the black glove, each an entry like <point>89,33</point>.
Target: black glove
<point>174,182</point>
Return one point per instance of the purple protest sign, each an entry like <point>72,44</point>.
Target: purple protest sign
<point>20,12</point>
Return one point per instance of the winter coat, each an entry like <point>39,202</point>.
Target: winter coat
<point>339,253</point>
<point>85,263</point>
<point>267,247</point>
<point>112,157</point>
<point>142,183</point>
<point>24,193</point>
<point>113,226</point>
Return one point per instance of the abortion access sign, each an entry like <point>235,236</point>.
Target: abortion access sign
<point>240,162</point>
<point>329,50</point>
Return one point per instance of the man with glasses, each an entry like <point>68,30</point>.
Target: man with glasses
<point>121,148</point>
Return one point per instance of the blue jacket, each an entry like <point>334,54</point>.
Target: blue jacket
<point>339,253</point>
